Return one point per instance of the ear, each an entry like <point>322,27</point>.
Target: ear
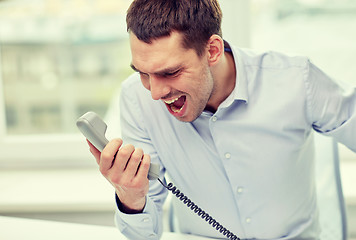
<point>215,47</point>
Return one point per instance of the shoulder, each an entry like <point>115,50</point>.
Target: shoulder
<point>135,95</point>
<point>132,88</point>
<point>270,59</point>
<point>133,82</point>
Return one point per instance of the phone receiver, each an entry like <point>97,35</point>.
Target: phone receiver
<point>94,128</point>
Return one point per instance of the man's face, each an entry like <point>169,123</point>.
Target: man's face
<point>173,74</point>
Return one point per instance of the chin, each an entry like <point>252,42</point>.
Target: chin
<point>187,118</point>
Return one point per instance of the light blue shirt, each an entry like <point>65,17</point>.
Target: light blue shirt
<point>249,165</point>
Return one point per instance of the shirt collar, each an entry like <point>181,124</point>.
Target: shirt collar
<point>240,92</point>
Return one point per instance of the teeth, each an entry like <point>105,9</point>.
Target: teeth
<point>171,101</point>
<point>176,110</point>
<point>172,107</point>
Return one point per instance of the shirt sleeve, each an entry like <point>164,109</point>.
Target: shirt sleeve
<point>331,108</point>
<point>139,226</point>
<point>148,224</point>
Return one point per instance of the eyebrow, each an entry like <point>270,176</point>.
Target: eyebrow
<point>161,72</point>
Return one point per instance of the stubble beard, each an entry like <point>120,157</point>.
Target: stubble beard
<point>206,94</point>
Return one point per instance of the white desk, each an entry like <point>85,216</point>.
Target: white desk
<point>29,229</point>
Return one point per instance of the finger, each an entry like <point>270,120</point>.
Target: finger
<point>107,157</point>
<point>134,163</point>
<point>95,152</point>
<point>144,168</point>
<point>122,158</point>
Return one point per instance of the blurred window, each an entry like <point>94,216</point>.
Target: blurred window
<point>58,59</point>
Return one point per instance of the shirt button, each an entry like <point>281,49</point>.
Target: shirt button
<point>227,155</point>
<point>248,220</point>
<point>240,189</point>
<point>214,119</point>
<point>145,220</point>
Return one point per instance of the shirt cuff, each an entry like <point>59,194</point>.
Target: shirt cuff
<point>139,225</point>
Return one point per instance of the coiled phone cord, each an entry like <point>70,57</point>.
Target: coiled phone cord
<point>201,213</point>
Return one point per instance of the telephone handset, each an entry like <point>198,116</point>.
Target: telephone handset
<point>94,128</point>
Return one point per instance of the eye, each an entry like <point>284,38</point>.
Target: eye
<point>145,79</point>
<point>144,76</point>
<point>172,74</point>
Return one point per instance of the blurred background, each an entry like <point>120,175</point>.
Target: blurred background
<point>62,58</point>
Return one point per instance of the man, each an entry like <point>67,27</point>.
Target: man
<point>230,127</point>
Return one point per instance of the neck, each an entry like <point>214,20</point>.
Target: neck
<point>224,74</point>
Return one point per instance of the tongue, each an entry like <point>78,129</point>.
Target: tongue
<point>179,103</point>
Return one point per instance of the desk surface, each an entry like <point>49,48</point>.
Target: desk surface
<point>20,228</point>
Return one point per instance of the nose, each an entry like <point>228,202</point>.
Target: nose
<point>158,87</point>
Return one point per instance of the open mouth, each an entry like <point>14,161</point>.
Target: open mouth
<point>177,104</point>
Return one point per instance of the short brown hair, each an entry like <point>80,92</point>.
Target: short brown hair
<point>198,20</point>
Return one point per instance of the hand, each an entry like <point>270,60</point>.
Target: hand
<point>126,168</point>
